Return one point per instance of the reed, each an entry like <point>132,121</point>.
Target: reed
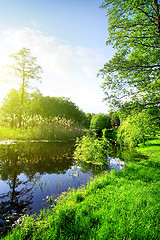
<point>37,128</point>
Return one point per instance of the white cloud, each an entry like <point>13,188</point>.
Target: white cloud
<point>68,71</point>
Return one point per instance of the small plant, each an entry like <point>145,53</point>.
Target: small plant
<point>49,200</point>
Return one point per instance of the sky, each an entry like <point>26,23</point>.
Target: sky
<point>68,37</point>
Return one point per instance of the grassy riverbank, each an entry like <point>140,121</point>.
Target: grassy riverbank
<point>120,205</point>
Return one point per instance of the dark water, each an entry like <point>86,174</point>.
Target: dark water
<point>30,172</point>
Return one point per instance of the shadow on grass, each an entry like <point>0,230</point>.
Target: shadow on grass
<point>146,170</point>
<point>127,155</point>
<point>153,144</point>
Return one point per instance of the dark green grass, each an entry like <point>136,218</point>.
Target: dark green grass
<point>120,205</point>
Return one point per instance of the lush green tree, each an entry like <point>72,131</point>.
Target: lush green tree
<point>23,71</point>
<point>56,107</point>
<point>87,119</point>
<point>135,129</point>
<point>134,70</point>
<point>10,107</point>
<point>35,104</point>
<point>99,122</point>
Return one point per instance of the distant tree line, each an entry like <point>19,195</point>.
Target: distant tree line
<point>37,104</point>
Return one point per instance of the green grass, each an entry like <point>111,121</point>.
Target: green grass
<point>120,205</point>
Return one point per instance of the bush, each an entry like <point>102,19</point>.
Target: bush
<point>99,122</point>
<point>90,149</point>
<point>136,129</point>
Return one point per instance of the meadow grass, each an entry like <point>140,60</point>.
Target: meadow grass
<point>119,205</point>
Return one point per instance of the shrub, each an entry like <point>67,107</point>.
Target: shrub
<point>90,149</point>
<point>99,122</point>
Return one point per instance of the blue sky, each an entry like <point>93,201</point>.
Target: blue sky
<point>67,37</point>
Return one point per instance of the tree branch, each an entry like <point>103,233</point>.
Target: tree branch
<point>147,15</point>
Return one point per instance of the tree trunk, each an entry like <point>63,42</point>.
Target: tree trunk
<point>156,6</point>
<point>143,140</point>
<point>22,97</point>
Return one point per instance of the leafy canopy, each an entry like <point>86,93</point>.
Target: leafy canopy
<point>136,129</point>
<point>134,33</point>
<point>37,104</point>
<point>25,68</point>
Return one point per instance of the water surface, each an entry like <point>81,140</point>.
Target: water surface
<point>32,171</point>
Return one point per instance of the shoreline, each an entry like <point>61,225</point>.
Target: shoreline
<point>122,204</point>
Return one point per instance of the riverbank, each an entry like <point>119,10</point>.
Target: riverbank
<point>120,205</point>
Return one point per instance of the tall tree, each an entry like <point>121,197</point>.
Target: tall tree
<point>134,33</point>
<point>10,107</point>
<point>24,70</point>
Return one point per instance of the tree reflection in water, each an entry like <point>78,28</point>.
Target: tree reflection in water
<point>25,167</point>
<point>21,165</point>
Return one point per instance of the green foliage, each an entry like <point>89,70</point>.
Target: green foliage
<point>35,104</point>
<point>109,134</point>
<point>135,129</point>
<point>25,68</point>
<point>58,107</point>
<point>99,122</point>
<point>42,118</point>
<point>23,71</point>
<point>120,205</point>
<point>10,108</point>
<point>87,120</point>
<point>134,70</point>
<point>113,115</point>
<point>91,149</point>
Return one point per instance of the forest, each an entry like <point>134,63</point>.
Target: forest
<point>115,204</point>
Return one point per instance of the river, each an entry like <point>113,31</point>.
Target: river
<point>32,173</point>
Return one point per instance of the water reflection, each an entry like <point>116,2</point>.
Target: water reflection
<point>125,154</point>
<point>22,166</point>
<point>29,172</point>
